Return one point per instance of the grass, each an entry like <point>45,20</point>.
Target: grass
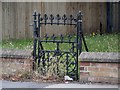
<point>95,43</point>
<point>17,44</point>
<point>104,43</point>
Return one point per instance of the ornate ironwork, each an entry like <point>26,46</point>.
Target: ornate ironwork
<point>65,62</point>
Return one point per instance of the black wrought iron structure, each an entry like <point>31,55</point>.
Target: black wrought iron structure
<point>66,61</point>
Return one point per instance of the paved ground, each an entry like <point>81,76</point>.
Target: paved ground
<point>72,85</point>
<point>8,84</point>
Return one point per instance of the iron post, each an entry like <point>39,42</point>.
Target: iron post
<point>35,35</point>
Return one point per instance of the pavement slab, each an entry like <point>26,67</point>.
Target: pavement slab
<point>71,85</point>
<point>9,84</point>
<point>38,86</point>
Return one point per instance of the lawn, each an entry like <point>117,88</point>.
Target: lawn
<point>95,43</point>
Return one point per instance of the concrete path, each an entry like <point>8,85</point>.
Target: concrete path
<point>9,84</point>
<point>72,85</point>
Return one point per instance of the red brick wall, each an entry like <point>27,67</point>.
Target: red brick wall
<point>12,66</point>
<point>94,66</point>
<point>99,72</point>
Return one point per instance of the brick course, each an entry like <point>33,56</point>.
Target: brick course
<point>14,62</point>
<point>97,71</point>
<point>11,66</point>
<point>90,70</point>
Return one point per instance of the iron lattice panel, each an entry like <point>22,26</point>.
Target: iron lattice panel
<point>57,61</point>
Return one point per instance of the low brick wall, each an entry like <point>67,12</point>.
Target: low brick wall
<point>15,62</point>
<point>99,67</point>
<point>94,66</point>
